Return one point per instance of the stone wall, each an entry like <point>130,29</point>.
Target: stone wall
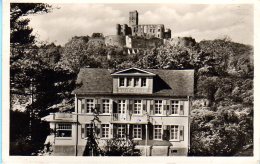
<point>180,41</point>
<point>138,42</point>
<point>115,40</point>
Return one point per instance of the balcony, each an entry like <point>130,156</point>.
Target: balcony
<point>126,118</point>
<point>60,117</point>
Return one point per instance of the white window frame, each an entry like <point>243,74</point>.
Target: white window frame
<point>155,129</point>
<point>138,106</point>
<point>63,127</point>
<point>137,129</point>
<point>138,81</point>
<point>119,80</point>
<point>106,106</point>
<point>174,132</point>
<point>121,106</point>
<point>88,126</point>
<point>89,105</point>
<point>158,105</point>
<point>129,81</point>
<point>105,128</point>
<point>143,78</point>
<point>121,131</point>
<point>175,107</point>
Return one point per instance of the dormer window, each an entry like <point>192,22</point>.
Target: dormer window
<point>121,82</point>
<point>143,82</point>
<point>128,81</point>
<point>136,82</point>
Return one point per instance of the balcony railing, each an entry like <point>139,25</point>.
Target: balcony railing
<point>130,118</point>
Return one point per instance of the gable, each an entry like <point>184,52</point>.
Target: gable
<point>133,71</point>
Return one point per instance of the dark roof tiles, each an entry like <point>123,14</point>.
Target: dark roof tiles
<point>166,83</point>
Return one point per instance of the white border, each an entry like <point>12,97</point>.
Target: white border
<point>169,160</point>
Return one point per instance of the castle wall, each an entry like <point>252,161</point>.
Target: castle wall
<point>115,40</point>
<point>100,41</point>
<point>180,41</point>
<point>136,42</point>
<point>148,30</point>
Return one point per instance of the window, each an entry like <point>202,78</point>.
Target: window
<point>158,30</point>
<point>88,129</point>
<point>137,131</point>
<point>174,132</point>
<point>175,107</point>
<point>158,107</point>
<point>143,82</point>
<point>105,130</point>
<point>128,82</point>
<point>137,106</point>
<point>89,105</point>
<point>121,106</point>
<point>64,130</point>
<point>121,82</point>
<point>157,131</point>
<point>105,106</point>
<point>136,82</point>
<point>121,129</point>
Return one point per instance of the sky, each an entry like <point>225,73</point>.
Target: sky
<point>200,21</point>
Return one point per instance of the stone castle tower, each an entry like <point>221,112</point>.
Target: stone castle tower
<point>142,30</point>
<point>133,18</point>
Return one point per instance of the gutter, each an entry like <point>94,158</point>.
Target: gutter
<point>76,146</point>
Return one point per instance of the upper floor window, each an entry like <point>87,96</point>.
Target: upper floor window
<point>174,134</point>
<point>175,107</point>
<point>121,82</point>
<point>137,131</point>
<point>89,105</point>
<point>105,130</point>
<point>105,106</point>
<point>64,130</point>
<point>158,107</point>
<point>137,106</point>
<point>157,131</point>
<point>136,82</point>
<point>128,81</point>
<point>121,106</point>
<point>143,82</point>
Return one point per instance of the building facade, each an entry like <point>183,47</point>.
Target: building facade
<point>149,106</point>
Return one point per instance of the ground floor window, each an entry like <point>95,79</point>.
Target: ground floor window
<point>121,131</point>
<point>137,131</point>
<point>88,130</point>
<point>105,130</point>
<point>64,130</point>
<point>174,132</point>
<point>157,131</point>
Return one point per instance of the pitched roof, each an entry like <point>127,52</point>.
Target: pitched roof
<point>166,82</point>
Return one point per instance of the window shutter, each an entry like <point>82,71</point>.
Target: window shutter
<point>98,106</point>
<point>181,133</point>
<point>83,131</point>
<point>110,106</point>
<point>115,106</point>
<point>181,108</point>
<point>131,107</point>
<point>151,107</point>
<point>150,131</point>
<point>143,132</point>
<point>164,108</point>
<point>168,112</point>
<point>55,131</point>
<point>144,106</point>
<point>98,130</point>
<point>83,106</point>
<point>115,131</point>
<point>130,131</point>
<point>111,130</point>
